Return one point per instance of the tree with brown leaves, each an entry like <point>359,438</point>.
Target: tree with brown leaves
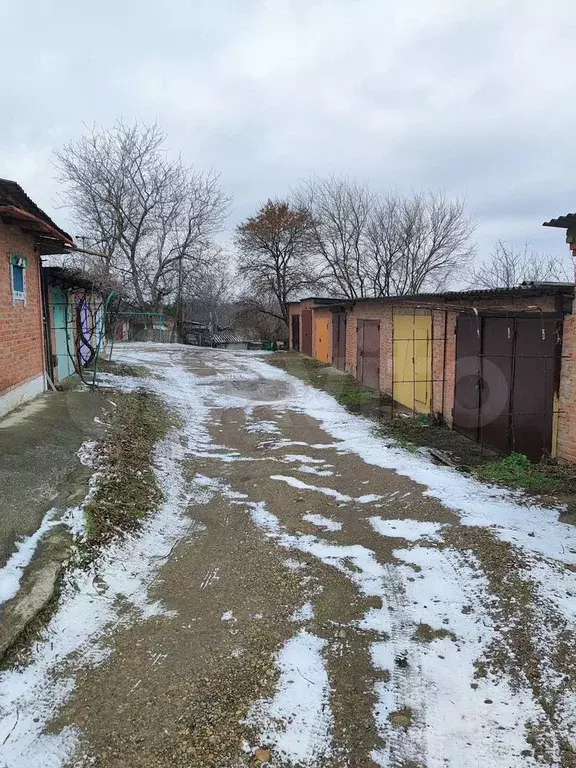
<point>274,257</point>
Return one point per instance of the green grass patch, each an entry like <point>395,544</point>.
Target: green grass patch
<point>354,397</point>
<point>128,491</point>
<point>343,387</point>
<point>121,369</point>
<point>516,471</point>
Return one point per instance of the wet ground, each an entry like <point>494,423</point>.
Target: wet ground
<point>307,596</point>
<point>39,467</point>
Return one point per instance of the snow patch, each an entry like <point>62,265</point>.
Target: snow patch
<point>11,573</point>
<point>411,530</point>
<point>295,483</point>
<point>323,522</point>
<point>304,613</point>
<point>307,470</point>
<point>297,721</point>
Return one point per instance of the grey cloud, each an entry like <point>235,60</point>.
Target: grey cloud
<point>473,98</point>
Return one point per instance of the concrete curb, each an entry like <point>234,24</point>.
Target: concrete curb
<point>39,585</point>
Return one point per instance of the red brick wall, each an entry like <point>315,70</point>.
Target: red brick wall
<point>368,311</point>
<point>566,444</point>
<point>21,333</point>
<point>297,309</point>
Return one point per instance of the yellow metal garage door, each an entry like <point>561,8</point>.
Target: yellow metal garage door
<point>413,361</point>
<point>321,331</point>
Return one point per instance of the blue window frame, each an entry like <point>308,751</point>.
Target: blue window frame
<point>18,266</point>
<point>18,279</point>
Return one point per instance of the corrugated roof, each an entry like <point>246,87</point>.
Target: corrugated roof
<point>526,290</point>
<point>68,278</point>
<point>563,222</point>
<point>13,196</point>
<point>319,299</point>
<point>228,337</point>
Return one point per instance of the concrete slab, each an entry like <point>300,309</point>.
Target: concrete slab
<point>39,467</point>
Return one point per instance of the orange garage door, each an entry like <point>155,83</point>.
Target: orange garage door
<point>321,331</point>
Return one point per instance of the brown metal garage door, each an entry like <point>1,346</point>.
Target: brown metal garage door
<point>296,332</point>
<point>307,332</point>
<point>339,340</point>
<point>507,371</point>
<point>368,353</point>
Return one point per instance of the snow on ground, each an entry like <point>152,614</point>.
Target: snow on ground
<point>304,613</point>
<point>308,470</point>
<point>320,521</point>
<point>411,530</point>
<point>31,696</point>
<point>295,483</point>
<point>72,518</point>
<point>454,724</point>
<point>460,726</point>
<point>11,573</point>
<point>507,514</point>
<point>298,720</point>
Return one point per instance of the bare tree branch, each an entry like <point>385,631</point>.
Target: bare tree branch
<point>371,245</point>
<point>151,214</point>
<point>508,267</point>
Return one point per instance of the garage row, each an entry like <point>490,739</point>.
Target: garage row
<point>496,365</point>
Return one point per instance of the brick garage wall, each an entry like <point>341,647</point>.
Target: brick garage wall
<point>443,340</point>
<point>444,354</point>
<point>369,311</point>
<point>566,443</point>
<point>297,309</point>
<point>21,333</point>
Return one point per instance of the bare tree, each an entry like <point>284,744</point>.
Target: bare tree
<point>148,213</point>
<point>508,267</point>
<point>417,242</point>
<point>373,245</point>
<point>260,325</point>
<point>340,211</point>
<point>209,292</point>
<point>274,257</point>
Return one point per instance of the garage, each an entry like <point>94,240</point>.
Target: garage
<point>506,381</point>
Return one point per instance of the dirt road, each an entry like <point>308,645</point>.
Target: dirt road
<point>308,595</point>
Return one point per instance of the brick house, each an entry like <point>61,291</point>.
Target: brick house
<point>492,363</point>
<point>26,233</point>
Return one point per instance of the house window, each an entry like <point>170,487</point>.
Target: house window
<point>18,265</point>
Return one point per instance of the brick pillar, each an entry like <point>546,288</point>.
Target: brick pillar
<point>571,240</point>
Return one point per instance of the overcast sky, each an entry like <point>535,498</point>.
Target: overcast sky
<point>473,96</point>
